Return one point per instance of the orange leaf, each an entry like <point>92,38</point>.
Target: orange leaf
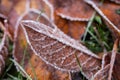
<point>74,29</point>
<point>72,9</point>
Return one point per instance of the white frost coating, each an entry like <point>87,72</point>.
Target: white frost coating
<point>51,8</point>
<point>27,6</point>
<point>72,18</point>
<point>74,60</point>
<point>62,15</point>
<point>51,44</point>
<point>92,63</point>
<point>51,53</point>
<point>55,34</point>
<point>3,16</point>
<point>102,70</point>
<point>16,28</point>
<point>86,61</point>
<point>112,62</point>
<point>103,77</point>
<point>103,61</point>
<point>63,59</point>
<point>17,25</point>
<point>86,76</point>
<point>95,68</point>
<point>38,12</point>
<point>21,17</point>
<point>45,16</point>
<point>101,13</point>
<point>41,39</point>
<point>58,35</point>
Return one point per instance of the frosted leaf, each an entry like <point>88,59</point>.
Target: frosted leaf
<point>58,50</point>
<point>73,10</point>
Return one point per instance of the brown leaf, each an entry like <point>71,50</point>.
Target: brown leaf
<point>42,71</point>
<point>58,50</point>
<point>35,13</point>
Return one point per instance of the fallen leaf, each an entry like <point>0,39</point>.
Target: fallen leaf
<point>74,29</point>
<point>71,9</point>
<point>58,50</point>
<point>33,15</point>
<point>42,71</point>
